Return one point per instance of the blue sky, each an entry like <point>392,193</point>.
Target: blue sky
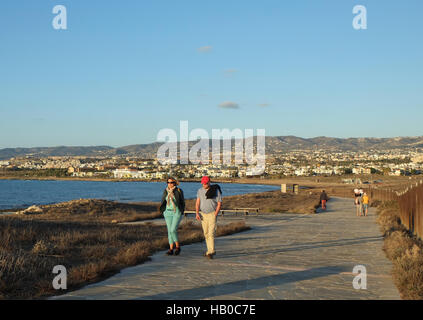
<point>123,70</point>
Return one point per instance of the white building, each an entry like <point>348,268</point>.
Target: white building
<point>361,171</point>
<point>127,173</point>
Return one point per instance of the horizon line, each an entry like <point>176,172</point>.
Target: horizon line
<point>136,144</point>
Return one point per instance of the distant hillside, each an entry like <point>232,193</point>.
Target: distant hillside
<point>273,145</point>
<point>53,151</point>
<point>351,144</point>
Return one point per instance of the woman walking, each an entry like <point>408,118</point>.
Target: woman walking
<point>172,207</point>
<point>358,202</point>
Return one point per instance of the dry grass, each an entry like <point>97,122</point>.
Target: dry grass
<point>404,250</point>
<point>29,249</point>
<point>96,210</point>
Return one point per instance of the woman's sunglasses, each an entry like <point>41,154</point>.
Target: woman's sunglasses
<point>172,182</point>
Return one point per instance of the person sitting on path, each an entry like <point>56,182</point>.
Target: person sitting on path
<point>172,207</point>
<point>324,199</point>
<point>208,204</point>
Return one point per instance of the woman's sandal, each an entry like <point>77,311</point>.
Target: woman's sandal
<point>177,251</point>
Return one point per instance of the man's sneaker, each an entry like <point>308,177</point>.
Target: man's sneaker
<point>169,252</point>
<point>177,251</point>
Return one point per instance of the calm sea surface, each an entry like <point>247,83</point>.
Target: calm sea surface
<point>24,193</point>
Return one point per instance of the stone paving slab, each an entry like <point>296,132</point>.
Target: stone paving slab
<point>284,256</point>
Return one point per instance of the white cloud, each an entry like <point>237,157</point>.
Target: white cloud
<point>230,72</point>
<point>205,49</point>
<point>229,105</point>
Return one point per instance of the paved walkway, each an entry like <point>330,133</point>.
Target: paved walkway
<point>287,256</point>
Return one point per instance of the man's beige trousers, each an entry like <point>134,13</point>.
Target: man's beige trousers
<point>208,222</point>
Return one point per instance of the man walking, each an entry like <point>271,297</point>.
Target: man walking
<point>209,202</point>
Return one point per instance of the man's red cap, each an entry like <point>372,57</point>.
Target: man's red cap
<point>205,180</point>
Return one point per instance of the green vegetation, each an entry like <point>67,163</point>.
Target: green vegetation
<point>22,173</point>
<point>348,171</point>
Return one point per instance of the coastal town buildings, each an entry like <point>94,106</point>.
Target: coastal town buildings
<point>293,163</point>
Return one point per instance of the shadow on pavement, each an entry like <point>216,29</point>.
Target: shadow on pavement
<point>234,287</point>
<point>307,246</point>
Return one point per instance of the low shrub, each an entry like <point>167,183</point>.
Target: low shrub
<point>405,252</point>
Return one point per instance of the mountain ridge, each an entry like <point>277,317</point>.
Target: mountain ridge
<point>276,144</point>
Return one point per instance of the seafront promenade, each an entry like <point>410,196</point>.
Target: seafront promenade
<point>283,256</point>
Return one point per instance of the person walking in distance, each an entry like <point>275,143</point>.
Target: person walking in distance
<point>172,207</point>
<point>357,201</point>
<point>365,204</point>
<point>324,199</point>
<point>359,205</point>
<point>356,195</point>
<point>207,207</point>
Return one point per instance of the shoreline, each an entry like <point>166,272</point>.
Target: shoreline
<point>333,185</point>
<point>13,210</point>
<point>309,182</point>
<point>273,201</point>
<point>217,180</point>
<point>262,181</point>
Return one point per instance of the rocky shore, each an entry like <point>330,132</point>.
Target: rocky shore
<point>97,210</point>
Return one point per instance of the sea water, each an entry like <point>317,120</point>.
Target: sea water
<point>24,193</point>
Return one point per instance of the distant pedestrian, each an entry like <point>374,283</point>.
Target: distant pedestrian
<point>356,196</point>
<point>365,204</point>
<point>323,199</point>
<point>359,207</point>
<point>172,207</point>
<point>357,201</point>
<point>207,207</point>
